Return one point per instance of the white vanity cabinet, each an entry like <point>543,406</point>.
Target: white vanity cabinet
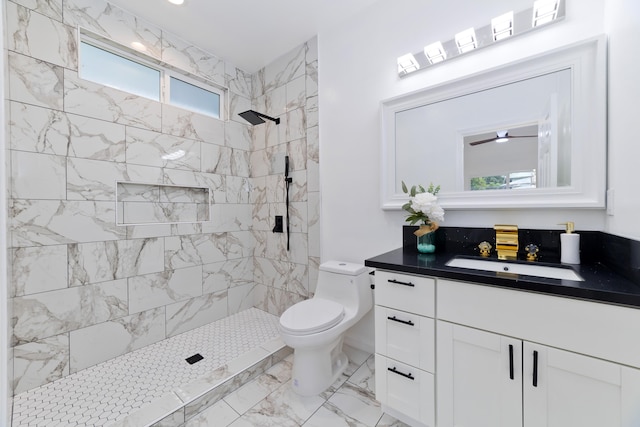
<point>405,346</point>
<point>490,373</point>
<point>456,354</point>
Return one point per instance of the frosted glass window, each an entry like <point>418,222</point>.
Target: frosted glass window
<point>194,98</point>
<point>112,70</point>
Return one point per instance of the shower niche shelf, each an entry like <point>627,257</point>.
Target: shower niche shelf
<point>140,203</point>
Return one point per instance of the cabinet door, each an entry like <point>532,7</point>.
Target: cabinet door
<point>479,378</point>
<point>566,389</point>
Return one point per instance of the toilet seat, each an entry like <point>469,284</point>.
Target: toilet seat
<point>311,316</point>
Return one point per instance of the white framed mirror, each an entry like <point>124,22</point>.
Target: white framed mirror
<point>528,134</point>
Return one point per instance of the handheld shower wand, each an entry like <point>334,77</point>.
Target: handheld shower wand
<point>287,182</point>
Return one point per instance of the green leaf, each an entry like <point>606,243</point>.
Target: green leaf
<point>404,188</point>
<point>413,191</point>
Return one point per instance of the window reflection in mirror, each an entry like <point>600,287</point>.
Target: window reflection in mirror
<point>505,159</point>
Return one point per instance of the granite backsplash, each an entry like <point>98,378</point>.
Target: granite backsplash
<point>620,254</point>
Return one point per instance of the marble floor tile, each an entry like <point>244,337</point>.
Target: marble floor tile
<point>326,417</point>
<point>253,392</point>
<point>388,421</point>
<point>364,377</point>
<point>335,386</point>
<point>357,403</point>
<point>219,414</point>
<point>283,408</point>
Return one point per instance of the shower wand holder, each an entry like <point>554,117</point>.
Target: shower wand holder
<point>278,227</point>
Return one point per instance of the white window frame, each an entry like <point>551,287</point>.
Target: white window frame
<point>166,71</point>
<point>165,90</point>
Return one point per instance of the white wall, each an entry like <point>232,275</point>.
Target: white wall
<point>358,70</point>
<point>622,21</point>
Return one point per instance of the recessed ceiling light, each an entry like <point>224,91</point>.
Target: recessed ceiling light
<point>176,1</point>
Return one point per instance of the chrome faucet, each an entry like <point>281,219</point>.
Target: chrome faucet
<point>506,241</point>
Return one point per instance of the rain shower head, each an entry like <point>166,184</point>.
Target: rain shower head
<point>256,118</point>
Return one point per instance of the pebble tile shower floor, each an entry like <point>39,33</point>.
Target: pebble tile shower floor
<point>109,391</point>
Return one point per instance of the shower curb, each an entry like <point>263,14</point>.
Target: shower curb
<point>174,409</point>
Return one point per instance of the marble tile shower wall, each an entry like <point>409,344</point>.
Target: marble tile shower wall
<point>288,89</point>
<point>79,280</point>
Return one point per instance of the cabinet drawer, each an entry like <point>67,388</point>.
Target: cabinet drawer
<point>406,337</point>
<point>415,294</point>
<point>405,389</point>
<point>605,331</point>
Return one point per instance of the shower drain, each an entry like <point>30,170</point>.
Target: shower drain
<point>194,359</point>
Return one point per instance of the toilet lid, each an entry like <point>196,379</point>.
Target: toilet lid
<point>311,316</point>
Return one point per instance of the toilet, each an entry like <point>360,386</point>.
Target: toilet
<point>315,328</point>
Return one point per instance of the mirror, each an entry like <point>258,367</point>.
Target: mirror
<point>530,133</point>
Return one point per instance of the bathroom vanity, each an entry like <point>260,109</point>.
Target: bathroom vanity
<point>462,347</point>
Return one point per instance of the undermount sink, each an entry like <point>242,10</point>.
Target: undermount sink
<point>550,272</point>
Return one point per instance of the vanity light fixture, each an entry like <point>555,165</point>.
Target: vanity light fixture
<point>502,26</point>
<point>407,64</point>
<point>435,52</point>
<point>466,40</point>
<point>505,26</point>
<point>178,2</point>
<point>544,11</point>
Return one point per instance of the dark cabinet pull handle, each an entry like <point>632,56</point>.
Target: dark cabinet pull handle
<point>405,322</point>
<point>395,371</point>
<point>401,283</point>
<point>510,361</point>
<point>535,368</point>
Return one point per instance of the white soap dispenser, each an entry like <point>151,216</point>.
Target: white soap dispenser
<point>569,245</point>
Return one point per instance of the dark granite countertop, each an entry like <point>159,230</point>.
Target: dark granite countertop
<point>601,283</point>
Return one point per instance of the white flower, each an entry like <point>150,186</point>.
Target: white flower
<point>423,202</point>
<point>436,213</point>
<point>427,204</point>
<point>423,205</point>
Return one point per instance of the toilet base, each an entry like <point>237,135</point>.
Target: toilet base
<point>316,368</point>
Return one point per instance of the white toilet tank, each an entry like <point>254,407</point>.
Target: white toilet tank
<point>345,283</point>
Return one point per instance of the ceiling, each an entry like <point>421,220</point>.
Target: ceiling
<point>246,33</point>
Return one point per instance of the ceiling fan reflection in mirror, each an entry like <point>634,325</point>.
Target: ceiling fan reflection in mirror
<point>501,137</point>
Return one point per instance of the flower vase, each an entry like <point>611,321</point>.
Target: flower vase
<point>426,239</point>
